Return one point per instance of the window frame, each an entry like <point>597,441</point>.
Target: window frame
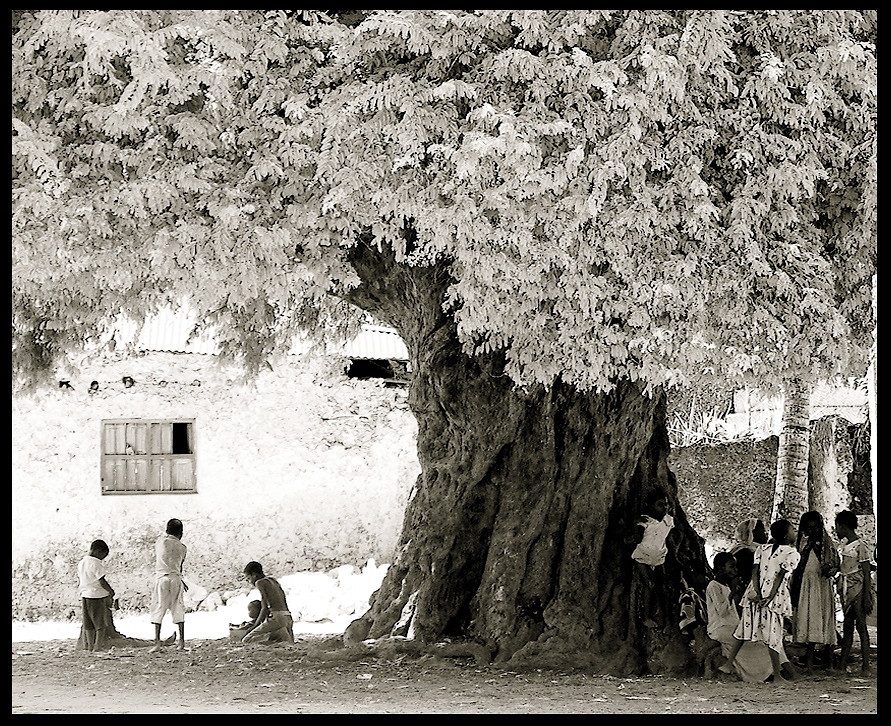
<point>151,459</point>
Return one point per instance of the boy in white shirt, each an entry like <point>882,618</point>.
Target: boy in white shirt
<point>651,532</point>
<point>169,586</point>
<point>94,589</point>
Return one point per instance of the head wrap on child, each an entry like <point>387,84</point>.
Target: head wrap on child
<point>823,545</point>
<point>744,533</point>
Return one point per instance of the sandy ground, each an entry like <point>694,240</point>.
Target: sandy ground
<point>313,676</point>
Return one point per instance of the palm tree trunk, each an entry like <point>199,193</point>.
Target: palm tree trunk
<point>791,497</point>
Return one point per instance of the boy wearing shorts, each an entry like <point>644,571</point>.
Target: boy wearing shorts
<point>94,591</point>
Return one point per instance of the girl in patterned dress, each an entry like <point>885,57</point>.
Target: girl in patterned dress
<point>854,587</point>
<point>766,601</point>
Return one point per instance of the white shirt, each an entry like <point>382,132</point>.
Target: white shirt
<point>89,570</point>
<point>169,556</point>
<point>721,613</point>
<point>652,549</point>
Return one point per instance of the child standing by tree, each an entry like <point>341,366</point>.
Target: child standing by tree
<point>854,588</point>
<point>94,591</point>
<point>812,589</point>
<point>651,533</point>
<point>766,600</point>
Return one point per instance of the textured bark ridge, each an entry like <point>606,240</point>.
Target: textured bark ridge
<point>516,533</point>
<point>791,490</point>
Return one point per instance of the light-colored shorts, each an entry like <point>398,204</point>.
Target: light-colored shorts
<point>167,594</point>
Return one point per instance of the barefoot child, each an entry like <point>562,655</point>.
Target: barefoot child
<point>651,531</point>
<point>752,662</point>
<point>854,588</point>
<point>766,600</point>
<point>94,591</point>
<point>813,589</point>
<point>167,593</point>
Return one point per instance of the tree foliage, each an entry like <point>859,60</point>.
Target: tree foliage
<point>657,196</point>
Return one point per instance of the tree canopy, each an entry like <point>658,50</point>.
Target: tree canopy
<point>654,196</point>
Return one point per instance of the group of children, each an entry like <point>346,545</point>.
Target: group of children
<point>759,587</point>
<point>788,585</point>
<point>271,620</point>
<point>763,588</point>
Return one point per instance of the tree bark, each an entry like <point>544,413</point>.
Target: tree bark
<point>791,498</point>
<point>830,463</point>
<point>871,382</point>
<point>516,535</point>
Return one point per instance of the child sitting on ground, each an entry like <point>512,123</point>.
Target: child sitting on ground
<point>238,631</point>
<point>752,662</point>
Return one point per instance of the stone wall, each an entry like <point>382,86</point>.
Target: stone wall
<point>303,470</point>
<point>722,484</point>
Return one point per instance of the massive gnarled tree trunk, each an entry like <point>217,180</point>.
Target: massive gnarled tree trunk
<point>516,533</point>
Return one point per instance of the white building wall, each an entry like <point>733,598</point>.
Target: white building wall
<point>758,416</point>
<point>302,470</point>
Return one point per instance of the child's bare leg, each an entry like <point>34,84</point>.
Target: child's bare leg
<point>157,646</point>
<point>775,663</point>
<point>734,649</point>
<point>659,595</point>
<point>809,657</point>
<point>649,614</point>
<point>89,639</point>
<point>182,634</point>
<point>863,632</point>
<point>647,594</point>
<point>847,641</point>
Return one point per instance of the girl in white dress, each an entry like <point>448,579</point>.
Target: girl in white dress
<point>813,588</point>
<point>766,601</point>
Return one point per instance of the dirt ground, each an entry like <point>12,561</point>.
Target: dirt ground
<point>212,676</point>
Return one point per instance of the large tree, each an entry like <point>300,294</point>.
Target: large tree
<point>564,213</point>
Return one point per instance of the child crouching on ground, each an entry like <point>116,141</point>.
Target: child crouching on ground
<point>238,631</point>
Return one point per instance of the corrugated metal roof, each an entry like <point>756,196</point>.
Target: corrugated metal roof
<point>168,331</point>
<point>376,343</point>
